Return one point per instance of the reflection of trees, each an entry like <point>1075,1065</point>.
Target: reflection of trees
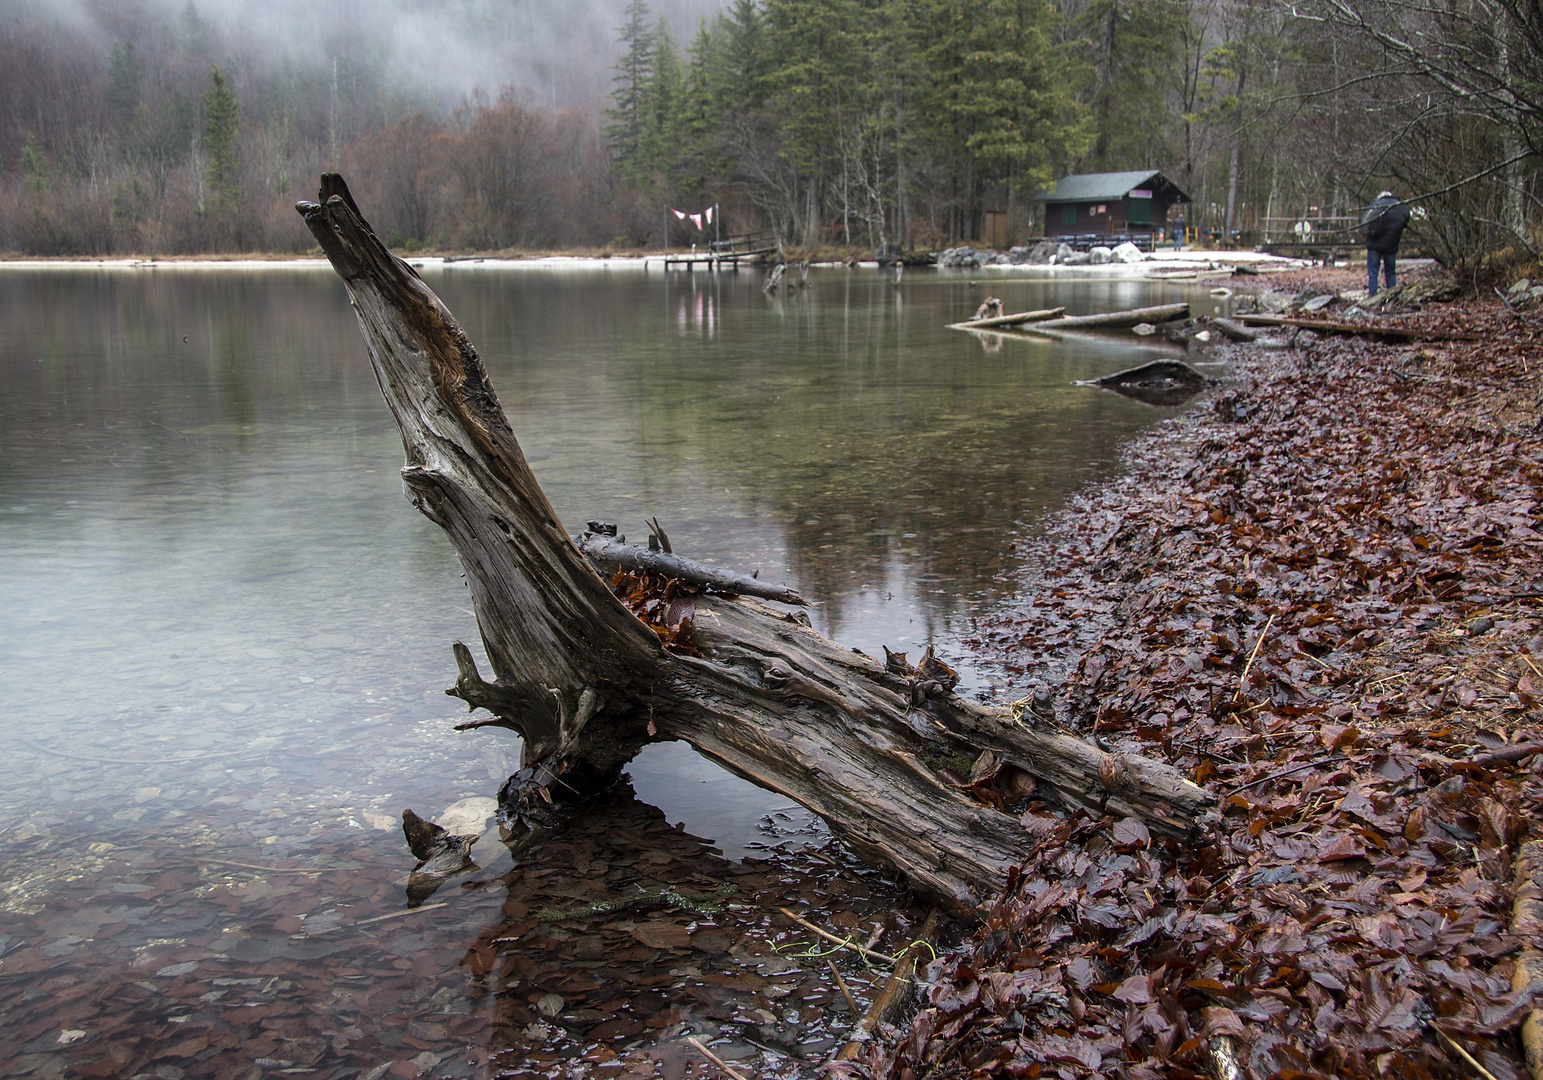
<point>873,439</point>
<point>97,369</point>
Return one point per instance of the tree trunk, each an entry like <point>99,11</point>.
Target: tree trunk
<point>586,683</point>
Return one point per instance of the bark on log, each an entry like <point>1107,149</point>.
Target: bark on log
<point>1235,330</point>
<point>1116,319</point>
<point>609,553</point>
<point>1009,320</point>
<point>587,684</point>
<point>1369,330</point>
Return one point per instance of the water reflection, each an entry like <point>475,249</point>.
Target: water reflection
<point>226,633</point>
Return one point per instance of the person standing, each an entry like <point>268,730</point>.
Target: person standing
<point>1176,230</point>
<point>1383,223</point>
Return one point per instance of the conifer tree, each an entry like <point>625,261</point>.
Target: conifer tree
<point>694,129</point>
<point>123,81</point>
<point>662,102</point>
<point>626,131</point>
<point>221,122</point>
<point>34,164</point>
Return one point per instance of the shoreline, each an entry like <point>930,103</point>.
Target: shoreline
<point>1156,266</point>
<point>1316,594</point>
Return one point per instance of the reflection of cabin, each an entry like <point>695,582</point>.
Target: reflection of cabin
<point>1126,205</point>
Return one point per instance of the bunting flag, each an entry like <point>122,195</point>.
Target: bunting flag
<point>700,220</point>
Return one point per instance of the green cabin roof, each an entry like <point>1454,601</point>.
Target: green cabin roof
<point>1091,187</point>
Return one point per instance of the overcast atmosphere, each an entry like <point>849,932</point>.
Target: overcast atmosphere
<point>554,53</point>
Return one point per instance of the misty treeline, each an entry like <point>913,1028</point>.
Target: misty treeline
<point>849,122</point>
<point>158,130</point>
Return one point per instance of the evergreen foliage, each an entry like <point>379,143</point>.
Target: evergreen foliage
<point>123,81</point>
<point>223,153</point>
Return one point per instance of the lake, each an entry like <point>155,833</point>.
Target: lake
<point>226,637</point>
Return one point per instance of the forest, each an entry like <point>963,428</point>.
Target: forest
<point>132,128</point>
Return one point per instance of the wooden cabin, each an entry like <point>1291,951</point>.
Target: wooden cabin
<point>1110,206</point>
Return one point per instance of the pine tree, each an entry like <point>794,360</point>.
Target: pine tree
<point>694,132</point>
<point>1128,46</point>
<point>745,55</point>
<point>221,122</point>
<point>813,75</point>
<point>657,150</point>
<point>193,30</point>
<point>123,81</point>
<point>626,131</point>
<point>999,105</point>
<point>34,164</point>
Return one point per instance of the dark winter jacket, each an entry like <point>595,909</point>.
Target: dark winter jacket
<point>1384,223</point>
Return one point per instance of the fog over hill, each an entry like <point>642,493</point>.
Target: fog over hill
<point>555,53</point>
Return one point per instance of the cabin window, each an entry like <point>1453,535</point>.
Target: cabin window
<point>1139,208</point>
<point>1068,213</point>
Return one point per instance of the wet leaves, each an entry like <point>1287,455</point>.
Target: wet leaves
<point>666,604</point>
<point>1326,614</point>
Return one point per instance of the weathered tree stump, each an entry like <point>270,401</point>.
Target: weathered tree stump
<point>587,684</point>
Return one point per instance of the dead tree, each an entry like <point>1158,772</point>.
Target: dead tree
<point>873,748</point>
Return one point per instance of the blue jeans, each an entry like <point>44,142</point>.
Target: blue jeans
<point>1386,260</point>
<point>1178,240</point>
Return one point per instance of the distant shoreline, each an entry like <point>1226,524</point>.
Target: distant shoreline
<point>1153,265</point>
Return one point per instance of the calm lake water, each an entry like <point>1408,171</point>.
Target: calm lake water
<point>225,638</point>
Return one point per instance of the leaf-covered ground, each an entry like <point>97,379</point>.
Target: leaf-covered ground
<point>1320,595</point>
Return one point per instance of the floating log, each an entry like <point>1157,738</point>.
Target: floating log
<point>587,684</point>
<point>1118,319</point>
<point>611,554</point>
<point>1371,330</point>
<point>1162,382</point>
<point>1009,320</point>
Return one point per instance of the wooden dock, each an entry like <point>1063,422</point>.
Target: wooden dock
<point>723,254</point>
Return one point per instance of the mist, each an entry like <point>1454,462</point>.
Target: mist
<point>431,53</point>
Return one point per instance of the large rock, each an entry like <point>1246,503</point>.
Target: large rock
<point>1062,253</point>
<point>1128,253</point>
<point>1075,258</point>
<point>1038,255</point>
<point>1100,254</point>
<point>960,256</point>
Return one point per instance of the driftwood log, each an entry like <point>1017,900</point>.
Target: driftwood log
<point>609,554</point>
<point>979,323</point>
<point>1367,330</point>
<point>1115,319</point>
<point>1037,322</point>
<point>873,748</point>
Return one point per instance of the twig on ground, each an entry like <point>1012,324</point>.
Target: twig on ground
<point>842,983</point>
<point>843,942</point>
<point>399,914</point>
<point>714,1058</point>
<point>272,869</point>
<point>1284,772</point>
<point>1466,1056</point>
<point>1243,679</point>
